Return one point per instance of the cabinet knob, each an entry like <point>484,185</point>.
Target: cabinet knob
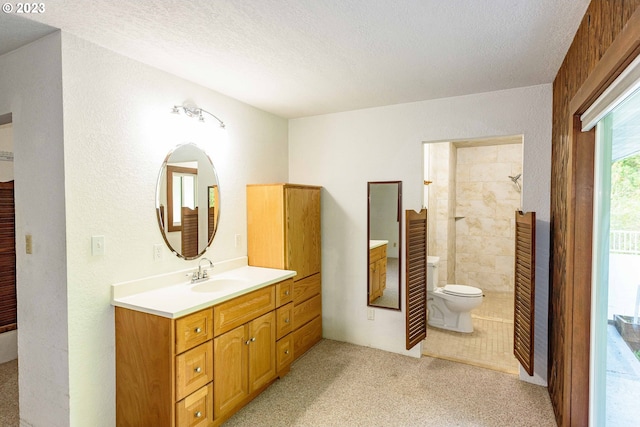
<point>198,370</point>
<point>287,292</point>
<point>253,339</point>
<point>198,414</point>
<point>286,320</point>
<point>286,352</point>
<point>197,330</point>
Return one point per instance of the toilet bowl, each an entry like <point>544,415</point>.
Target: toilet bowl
<point>449,307</point>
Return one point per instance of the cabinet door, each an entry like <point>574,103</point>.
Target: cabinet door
<point>382,274</point>
<point>303,230</point>
<point>230,375</point>
<point>374,281</point>
<point>262,356</point>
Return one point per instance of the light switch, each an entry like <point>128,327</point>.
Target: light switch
<point>97,245</point>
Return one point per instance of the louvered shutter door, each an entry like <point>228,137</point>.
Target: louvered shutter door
<point>416,293</point>
<point>524,293</point>
<point>8,309</point>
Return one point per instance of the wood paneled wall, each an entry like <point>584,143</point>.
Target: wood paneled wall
<point>600,26</point>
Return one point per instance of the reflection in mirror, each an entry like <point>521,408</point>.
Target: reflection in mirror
<point>188,201</point>
<point>384,255</point>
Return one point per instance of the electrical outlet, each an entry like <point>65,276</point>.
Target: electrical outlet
<point>238,240</point>
<point>28,241</point>
<point>371,314</point>
<point>157,252</point>
<point>97,245</point>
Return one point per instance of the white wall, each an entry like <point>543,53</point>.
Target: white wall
<point>117,132</point>
<point>343,151</point>
<point>31,89</point>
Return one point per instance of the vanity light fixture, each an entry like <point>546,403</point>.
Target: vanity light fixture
<point>195,112</point>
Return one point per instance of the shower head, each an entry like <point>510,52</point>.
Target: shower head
<point>515,181</point>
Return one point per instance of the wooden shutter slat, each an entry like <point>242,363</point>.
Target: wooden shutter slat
<point>416,277</point>
<point>524,292</point>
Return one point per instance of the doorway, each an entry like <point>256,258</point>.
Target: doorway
<point>9,413</point>
<point>473,188</point>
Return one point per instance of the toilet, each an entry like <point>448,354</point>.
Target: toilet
<point>449,307</point>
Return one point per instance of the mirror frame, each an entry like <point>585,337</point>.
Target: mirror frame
<point>399,243</point>
<point>164,177</point>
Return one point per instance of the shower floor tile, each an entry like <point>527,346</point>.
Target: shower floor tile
<point>490,345</point>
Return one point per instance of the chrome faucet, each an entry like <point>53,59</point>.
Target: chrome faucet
<point>202,273</point>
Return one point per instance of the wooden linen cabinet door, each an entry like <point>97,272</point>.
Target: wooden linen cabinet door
<point>524,290</point>
<point>302,231</point>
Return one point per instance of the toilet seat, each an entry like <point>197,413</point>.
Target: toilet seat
<point>462,291</point>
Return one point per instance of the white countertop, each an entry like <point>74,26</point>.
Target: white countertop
<point>376,243</point>
<point>171,295</point>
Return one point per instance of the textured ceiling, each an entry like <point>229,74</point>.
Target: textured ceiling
<point>298,58</point>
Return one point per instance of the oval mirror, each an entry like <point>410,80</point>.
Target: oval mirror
<point>188,201</point>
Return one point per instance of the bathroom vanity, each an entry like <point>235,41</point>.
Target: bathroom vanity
<point>194,354</point>
<point>190,352</point>
<point>377,268</point>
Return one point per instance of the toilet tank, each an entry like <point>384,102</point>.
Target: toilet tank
<point>432,272</point>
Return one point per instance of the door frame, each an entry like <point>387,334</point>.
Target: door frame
<point>580,184</point>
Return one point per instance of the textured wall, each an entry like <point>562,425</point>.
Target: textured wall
<point>599,27</point>
<point>343,151</point>
<point>31,89</point>
<point>117,132</point>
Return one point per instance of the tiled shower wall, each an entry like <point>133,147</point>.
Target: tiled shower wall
<point>441,213</point>
<point>486,200</point>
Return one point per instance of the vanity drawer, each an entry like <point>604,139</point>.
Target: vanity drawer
<point>306,288</point>
<point>193,330</point>
<point>306,311</point>
<point>284,292</point>
<point>284,321</point>
<point>240,310</point>
<point>196,410</point>
<point>307,336</point>
<point>284,354</point>
<point>194,369</point>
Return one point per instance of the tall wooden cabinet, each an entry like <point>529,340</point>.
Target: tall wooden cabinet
<point>283,226</point>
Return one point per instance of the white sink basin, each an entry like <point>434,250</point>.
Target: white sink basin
<point>218,285</point>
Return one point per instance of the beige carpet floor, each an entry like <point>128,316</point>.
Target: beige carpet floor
<point>9,394</point>
<point>339,384</point>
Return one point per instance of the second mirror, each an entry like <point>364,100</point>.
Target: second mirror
<point>384,254</point>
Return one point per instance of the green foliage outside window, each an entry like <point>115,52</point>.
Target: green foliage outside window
<point>625,194</point>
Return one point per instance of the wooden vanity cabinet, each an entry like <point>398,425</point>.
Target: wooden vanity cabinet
<point>164,369</point>
<point>283,227</point>
<point>245,362</point>
<point>377,272</point>
<point>198,370</point>
<point>245,356</point>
